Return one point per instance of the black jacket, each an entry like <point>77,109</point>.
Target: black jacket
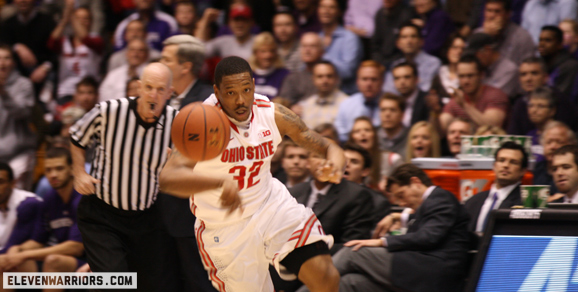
<point>346,211</point>
<point>432,255</point>
<point>475,203</point>
<point>199,92</point>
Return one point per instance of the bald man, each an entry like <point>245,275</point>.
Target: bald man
<point>299,84</point>
<point>117,214</point>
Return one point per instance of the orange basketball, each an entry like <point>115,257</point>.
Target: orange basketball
<point>200,132</point>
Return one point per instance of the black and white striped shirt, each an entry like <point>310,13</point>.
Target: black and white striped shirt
<point>130,152</point>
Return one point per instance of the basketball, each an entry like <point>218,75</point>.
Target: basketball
<point>200,132</point>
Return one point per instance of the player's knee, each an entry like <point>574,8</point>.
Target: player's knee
<point>319,274</point>
<point>53,263</point>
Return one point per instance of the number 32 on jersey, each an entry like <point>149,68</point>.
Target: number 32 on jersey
<point>240,172</point>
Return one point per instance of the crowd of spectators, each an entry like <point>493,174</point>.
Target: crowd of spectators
<point>389,80</point>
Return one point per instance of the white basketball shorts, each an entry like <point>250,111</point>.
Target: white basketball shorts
<point>237,255</point>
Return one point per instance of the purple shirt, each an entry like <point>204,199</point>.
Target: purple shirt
<point>270,84</point>
<point>160,27</point>
<point>58,220</point>
<point>438,26</point>
<point>537,149</point>
<point>27,213</point>
<point>307,24</point>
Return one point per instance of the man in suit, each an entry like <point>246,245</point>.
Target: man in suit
<point>344,209</point>
<point>430,257</point>
<point>406,80</point>
<point>511,162</point>
<point>565,173</point>
<point>357,169</point>
<point>184,55</point>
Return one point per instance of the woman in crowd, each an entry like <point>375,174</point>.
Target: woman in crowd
<point>383,162</point>
<point>423,141</point>
<point>447,78</point>
<point>267,65</point>
<point>489,130</point>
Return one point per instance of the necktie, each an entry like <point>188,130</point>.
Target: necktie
<point>494,200</point>
<point>318,200</point>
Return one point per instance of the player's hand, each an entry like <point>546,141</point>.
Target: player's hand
<point>84,269</point>
<point>357,244</point>
<point>84,183</point>
<point>26,56</point>
<point>383,226</point>
<point>328,172</point>
<point>230,198</point>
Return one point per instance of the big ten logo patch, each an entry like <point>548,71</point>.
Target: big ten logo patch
<point>264,134</point>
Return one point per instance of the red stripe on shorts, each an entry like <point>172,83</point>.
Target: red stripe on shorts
<point>207,259</point>
<point>306,230</point>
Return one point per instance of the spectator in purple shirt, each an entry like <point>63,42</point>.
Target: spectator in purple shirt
<point>306,15</point>
<point>159,25</point>
<point>436,25</point>
<point>56,240</point>
<point>19,209</point>
<point>541,110</point>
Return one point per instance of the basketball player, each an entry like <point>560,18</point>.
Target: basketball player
<point>246,219</point>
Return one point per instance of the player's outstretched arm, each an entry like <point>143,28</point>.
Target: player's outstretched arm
<point>291,125</point>
<point>177,179</point>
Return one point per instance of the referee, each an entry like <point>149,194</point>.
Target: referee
<point>117,217</point>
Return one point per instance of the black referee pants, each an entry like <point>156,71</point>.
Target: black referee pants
<point>116,240</point>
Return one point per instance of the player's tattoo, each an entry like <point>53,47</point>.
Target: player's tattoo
<point>305,137</point>
<point>291,117</point>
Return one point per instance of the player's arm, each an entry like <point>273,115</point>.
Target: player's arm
<point>177,179</point>
<point>291,125</point>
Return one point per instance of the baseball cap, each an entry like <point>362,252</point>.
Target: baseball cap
<point>477,41</point>
<point>241,11</point>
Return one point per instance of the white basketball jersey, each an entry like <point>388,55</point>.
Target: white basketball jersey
<point>75,64</point>
<point>247,159</point>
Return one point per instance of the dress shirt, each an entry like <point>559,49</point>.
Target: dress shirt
<point>503,74</point>
<point>317,110</point>
<point>176,102</point>
<point>353,107</point>
<point>361,14</point>
<point>407,114</point>
<point>316,192</point>
<point>573,200</point>
<point>427,68</point>
<point>514,43</point>
<point>345,52</point>
<point>538,13</point>
<point>396,144</point>
<point>485,211</point>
